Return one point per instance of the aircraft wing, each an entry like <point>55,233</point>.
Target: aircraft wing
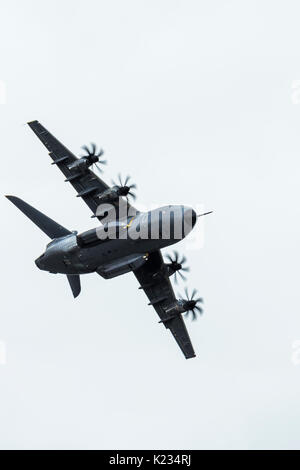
<point>158,288</point>
<point>86,184</point>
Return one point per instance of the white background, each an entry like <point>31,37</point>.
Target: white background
<point>199,102</point>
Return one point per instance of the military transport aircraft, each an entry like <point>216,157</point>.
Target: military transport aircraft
<point>127,240</point>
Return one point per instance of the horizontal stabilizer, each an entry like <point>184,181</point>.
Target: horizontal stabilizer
<point>47,225</point>
<point>74,281</point>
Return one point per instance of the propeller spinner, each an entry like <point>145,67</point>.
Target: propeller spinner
<point>175,265</point>
<point>190,304</point>
<point>93,156</point>
<point>125,189</point>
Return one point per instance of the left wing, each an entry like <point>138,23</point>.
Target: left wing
<point>158,288</point>
<point>86,183</point>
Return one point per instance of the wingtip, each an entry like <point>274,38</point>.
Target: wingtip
<point>32,122</point>
<point>190,357</point>
<point>12,198</point>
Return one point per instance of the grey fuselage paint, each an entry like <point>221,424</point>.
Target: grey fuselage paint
<point>66,255</point>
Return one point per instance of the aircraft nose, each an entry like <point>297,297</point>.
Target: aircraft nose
<point>190,217</point>
<point>39,262</point>
<point>194,217</point>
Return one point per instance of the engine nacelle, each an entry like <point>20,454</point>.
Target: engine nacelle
<point>176,308</point>
<point>81,164</point>
<point>109,195</point>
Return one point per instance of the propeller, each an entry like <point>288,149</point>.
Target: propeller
<point>93,156</point>
<point>191,304</point>
<point>177,265</point>
<point>124,188</point>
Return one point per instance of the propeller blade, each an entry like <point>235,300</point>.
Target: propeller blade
<point>190,312</point>
<point>120,184</point>
<point>85,148</point>
<point>101,152</point>
<point>193,294</point>
<point>186,269</point>
<point>132,195</point>
<point>98,168</point>
<point>92,152</point>
<point>199,309</point>
<point>183,260</point>
<point>186,292</point>
<point>194,316</point>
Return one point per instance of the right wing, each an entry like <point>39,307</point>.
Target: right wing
<point>157,286</point>
<point>86,184</point>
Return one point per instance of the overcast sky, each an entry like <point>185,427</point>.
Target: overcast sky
<point>199,102</point>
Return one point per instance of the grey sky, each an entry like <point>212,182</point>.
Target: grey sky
<point>195,100</point>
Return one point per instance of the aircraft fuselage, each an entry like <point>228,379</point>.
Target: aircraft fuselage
<point>129,241</point>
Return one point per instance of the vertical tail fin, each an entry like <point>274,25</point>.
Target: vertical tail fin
<point>50,228</point>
